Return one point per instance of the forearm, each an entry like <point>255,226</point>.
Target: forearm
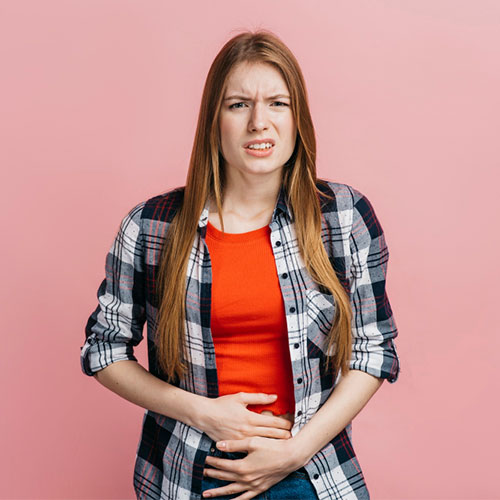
<point>349,397</point>
<point>133,382</point>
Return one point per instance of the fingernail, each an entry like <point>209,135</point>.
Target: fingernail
<point>222,444</point>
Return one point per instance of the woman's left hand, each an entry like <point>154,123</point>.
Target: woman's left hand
<point>268,462</point>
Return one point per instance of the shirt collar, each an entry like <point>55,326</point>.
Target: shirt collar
<point>281,207</point>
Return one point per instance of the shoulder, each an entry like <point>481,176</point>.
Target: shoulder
<point>158,209</point>
<point>338,201</point>
<point>161,207</point>
<point>164,206</point>
<point>350,208</point>
<point>339,196</point>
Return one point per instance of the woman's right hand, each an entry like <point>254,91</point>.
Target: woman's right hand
<point>227,417</point>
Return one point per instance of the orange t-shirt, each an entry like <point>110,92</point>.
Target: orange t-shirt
<point>248,319</point>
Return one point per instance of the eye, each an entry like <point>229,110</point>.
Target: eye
<point>235,105</point>
<point>279,102</point>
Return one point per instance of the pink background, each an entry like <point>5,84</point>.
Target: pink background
<point>98,105</point>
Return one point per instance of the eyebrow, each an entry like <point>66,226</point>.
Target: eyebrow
<point>245,98</point>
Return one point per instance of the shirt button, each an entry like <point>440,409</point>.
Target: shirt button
<point>299,380</point>
<point>292,309</point>
<point>296,345</point>
<point>278,243</point>
<point>212,450</point>
<point>284,276</point>
<point>316,476</point>
<point>299,413</point>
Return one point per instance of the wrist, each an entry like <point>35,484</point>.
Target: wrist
<point>190,408</point>
<point>300,453</point>
<point>200,412</point>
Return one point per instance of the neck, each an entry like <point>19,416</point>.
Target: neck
<point>250,194</point>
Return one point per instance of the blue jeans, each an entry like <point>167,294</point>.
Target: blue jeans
<point>296,486</point>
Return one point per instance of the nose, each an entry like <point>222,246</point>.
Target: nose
<point>258,118</point>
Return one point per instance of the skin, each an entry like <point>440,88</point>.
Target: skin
<point>252,182</point>
<point>272,452</point>
<point>253,185</point>
<point>268,460</point>
<point>250,196</point>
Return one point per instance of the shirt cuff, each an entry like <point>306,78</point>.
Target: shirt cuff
<point>95,355</point>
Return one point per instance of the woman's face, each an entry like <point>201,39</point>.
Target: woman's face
<point>256,106</point>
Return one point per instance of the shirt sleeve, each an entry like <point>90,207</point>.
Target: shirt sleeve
<point>373,325</point>
<point>116,325</point>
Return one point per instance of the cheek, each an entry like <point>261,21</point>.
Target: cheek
<point>291,136</point>
<point>289,129</point>
<point>227,134</point>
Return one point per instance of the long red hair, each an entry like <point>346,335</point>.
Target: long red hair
<point>205,179</point>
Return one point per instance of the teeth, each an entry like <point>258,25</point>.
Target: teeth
<point>265,145</point>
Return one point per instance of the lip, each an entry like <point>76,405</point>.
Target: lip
<point>258,141</point>
<point>259,153</point>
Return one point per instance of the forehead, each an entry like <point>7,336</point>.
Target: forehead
<point>249,78</point>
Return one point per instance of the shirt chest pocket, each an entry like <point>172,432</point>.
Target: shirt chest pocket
<point>320,309</point>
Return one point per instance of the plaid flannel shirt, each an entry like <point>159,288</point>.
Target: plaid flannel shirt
<point>170,455</point>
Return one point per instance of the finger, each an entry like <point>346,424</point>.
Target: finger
<point>247,495</point>
<point>231,465</point>
<point>257,398</point>
<point>235,445</point>
<point>270,421</point>
<point>271,432</point>
<point>229,489</point>
<point>221,474</point>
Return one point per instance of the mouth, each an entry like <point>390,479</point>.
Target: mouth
<point>259,150</point>
<point>260,147</point>
<point>260,144</point>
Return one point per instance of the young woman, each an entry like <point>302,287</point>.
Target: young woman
<point>255,279</point>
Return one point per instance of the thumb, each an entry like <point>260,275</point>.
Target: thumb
<point>231,445</point>
<point>257,398</point>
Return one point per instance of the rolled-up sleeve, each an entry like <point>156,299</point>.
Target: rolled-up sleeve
<point>117,323</point>
<point>373,326</point>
